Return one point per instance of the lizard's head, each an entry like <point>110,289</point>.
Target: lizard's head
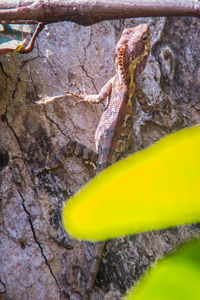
<point>132,51</point>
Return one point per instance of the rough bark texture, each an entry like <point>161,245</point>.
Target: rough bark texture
<point>37,258</point>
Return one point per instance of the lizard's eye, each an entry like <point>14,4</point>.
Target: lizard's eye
<point>128,32</point>
<point>145,38</point>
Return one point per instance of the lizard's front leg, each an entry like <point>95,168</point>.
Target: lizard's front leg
<point>98,98</point>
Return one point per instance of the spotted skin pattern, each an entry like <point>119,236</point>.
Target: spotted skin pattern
<point>114,132</point>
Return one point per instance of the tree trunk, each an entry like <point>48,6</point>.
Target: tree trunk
<point>38,259</point>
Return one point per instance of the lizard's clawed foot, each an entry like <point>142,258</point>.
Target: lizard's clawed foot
<point>80,95</point>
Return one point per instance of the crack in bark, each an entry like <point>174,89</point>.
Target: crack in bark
<point>5,74</point>
<point>56,124</point>
<point>14,133</point>
<point>18,142</point>
<point>2,69</point>
<point>4,285</point>
<point>25,62</point>
<point>82,65</point>
<point>37,242</point>
<point>13,81</point>
<point>15,89</point>
<point>87,75</point>
<point>33,84</point>
<point>54,72</point>
<point>40,55</point>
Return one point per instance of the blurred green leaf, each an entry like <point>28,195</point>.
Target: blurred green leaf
<point>175,277</point>
<point>12,39</point>
<point>152,189</point>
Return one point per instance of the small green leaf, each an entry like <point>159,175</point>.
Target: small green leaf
<point>12,39</point>
<point>152,189</point>
<point>175,277</point>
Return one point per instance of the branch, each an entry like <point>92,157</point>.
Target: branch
<point>87,12</point>
<point>30,46</point>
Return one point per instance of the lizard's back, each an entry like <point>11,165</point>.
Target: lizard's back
<point>114,132</point>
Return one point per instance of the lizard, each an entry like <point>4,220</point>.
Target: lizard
<point>114,132</point>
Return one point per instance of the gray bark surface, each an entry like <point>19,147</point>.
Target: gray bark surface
<point>38,260</point>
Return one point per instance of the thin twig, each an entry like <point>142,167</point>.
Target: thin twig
<point>30,46</point>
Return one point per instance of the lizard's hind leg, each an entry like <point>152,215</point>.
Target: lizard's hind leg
<point>88,156</point>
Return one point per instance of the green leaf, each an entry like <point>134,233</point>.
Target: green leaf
<point>175,277</point>
<point>12,39</point>
<point>152,189</point>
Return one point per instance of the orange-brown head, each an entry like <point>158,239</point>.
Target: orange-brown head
<point>132,52</point>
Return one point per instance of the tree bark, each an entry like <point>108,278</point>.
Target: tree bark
<point>90,12</point>
<point>38,260</point>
